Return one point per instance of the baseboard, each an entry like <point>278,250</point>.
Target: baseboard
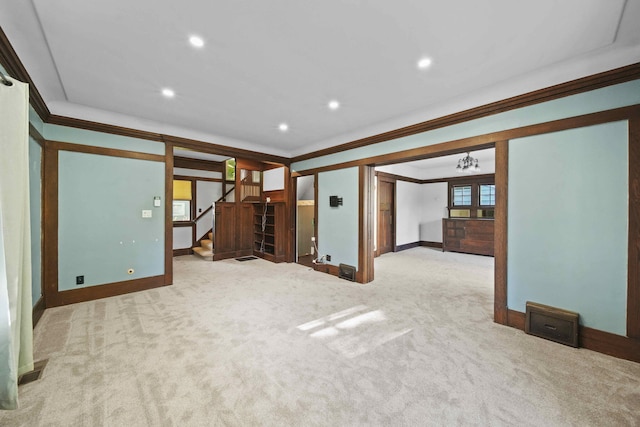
<point>431,244</point>
<point>611,344</point>
<point>327,268</point>
<point>407,246</point>
<point>38,311</point>
<point>184,251</point>
<point>593,339</point>
<point>516,319</point>
<point>104,291</point>
<point>218,256</point>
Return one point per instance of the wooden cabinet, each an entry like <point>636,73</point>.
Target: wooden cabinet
<point>473,236</point>
<point>233,230</point>
<point>269,231</point>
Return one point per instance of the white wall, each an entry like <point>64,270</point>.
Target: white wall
<point>305,187</point>
<point>408,212</point>
<point>419,209</point>
<point>434,203</point>
<point>182,237</point>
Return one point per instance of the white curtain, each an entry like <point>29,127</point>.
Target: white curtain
<point>16,329</point>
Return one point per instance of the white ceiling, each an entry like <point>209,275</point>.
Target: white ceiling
<point>267,62</point>
<point>443,166</point>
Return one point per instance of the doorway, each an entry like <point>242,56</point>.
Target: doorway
<point>305,220</point>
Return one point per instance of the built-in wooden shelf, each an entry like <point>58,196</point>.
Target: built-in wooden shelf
<point>269,231</point>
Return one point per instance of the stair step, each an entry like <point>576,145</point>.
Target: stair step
<point>211,236</point>
<point>204,253</point>
<point>207,244</point>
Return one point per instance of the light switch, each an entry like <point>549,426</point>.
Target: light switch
<point>147,213</point>
<point>156,202</point>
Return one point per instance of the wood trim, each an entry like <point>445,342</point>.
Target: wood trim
<point>487,178</point>
<point>292,224</point>
<point>365,272</point>
<point>614,345</point>
<point>328,268</point>
<point>108,290</point>
<point>38,311</point>
<point>419,153</point>
<point>633,269</point>
<point>585,84</point>
<point>11,62</point>
<point>223,150</point>
<point>113,152</point>
<point>183,251</point>
<point>36,135</point>
<point>400,248</point>
<point>315,209</point>
<point>437,245</point>
<point>394,177</point>
<point>71,122</point>
<point>473,181</point>
<point>168,214</point>
<point>593,339</point>
<point>197,178</point>
<point>391,177</point>
<point>203,213</point>
<point>198,164</point>
<point>202,146</point>
<point>479,142</point>
<point>183,224</point>
<point>515,319</point>
<point>50,225</point>
<point>500,313</point>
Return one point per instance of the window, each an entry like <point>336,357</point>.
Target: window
<point>487,194</point>
<point>472,197</point>
<point>462,195</point>
<point>181,210</point>
<point>181,200</point>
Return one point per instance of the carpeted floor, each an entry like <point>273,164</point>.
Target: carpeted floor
<point>262,344</point>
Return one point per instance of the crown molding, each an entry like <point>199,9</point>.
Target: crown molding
<point>584,84</point>
<point>11,62</point>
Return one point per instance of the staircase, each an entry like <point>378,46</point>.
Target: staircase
<point>205,250</point>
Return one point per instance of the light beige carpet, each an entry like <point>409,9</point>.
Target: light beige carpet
<point>255,343</point>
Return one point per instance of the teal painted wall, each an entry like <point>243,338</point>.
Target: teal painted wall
<point>35,120</point>
<point>606,98</point>
<point>101,230</point>
<point>338,227</point>
<point>35,196</point>
<point>99,139</point>
<point>568,223</point>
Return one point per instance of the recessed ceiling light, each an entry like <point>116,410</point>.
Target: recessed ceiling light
<point>283,127</point>
<point>424,63</point>
<point>334,105</point>
<point>168,93</point>
<point>196,41</point>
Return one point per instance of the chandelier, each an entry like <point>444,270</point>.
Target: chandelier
<point>468,164</point>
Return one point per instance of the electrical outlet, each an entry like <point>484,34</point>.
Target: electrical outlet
<point>328,257</point>
<point>79,280</point>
